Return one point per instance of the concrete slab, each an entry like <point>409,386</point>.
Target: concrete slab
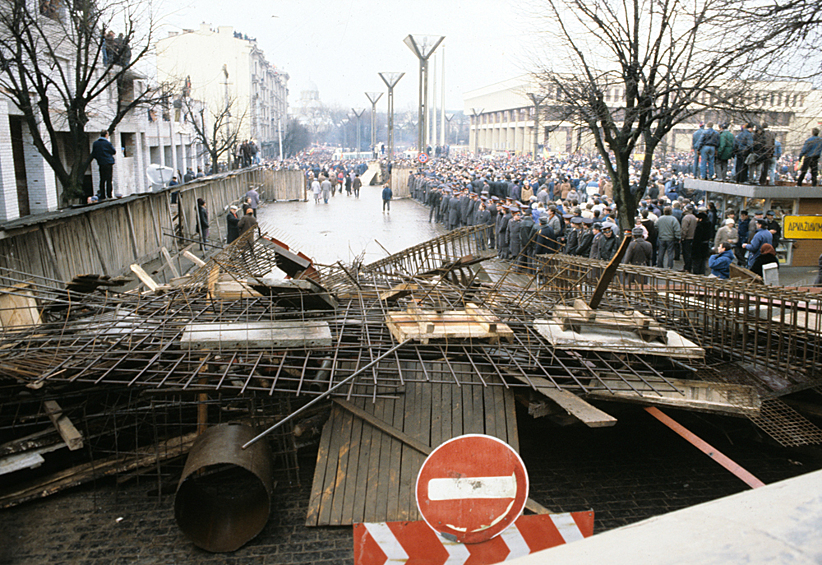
<point>618,341</point>
<point>779,523</point>
<point>256,335</point>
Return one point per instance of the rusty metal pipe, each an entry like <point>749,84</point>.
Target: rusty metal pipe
<point>224,495</point>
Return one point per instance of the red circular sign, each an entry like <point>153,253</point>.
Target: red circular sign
<point>422,158</point>
<point>472,487</point>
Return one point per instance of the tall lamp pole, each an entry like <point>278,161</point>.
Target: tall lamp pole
<point>359,116</point>
<point>423,47</point>
<point>391,80</point>
<point>448,118</point>
<point>373,97</point>
<point>537,99</point>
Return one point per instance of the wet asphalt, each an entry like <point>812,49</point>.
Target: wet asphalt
<point>348,227</point>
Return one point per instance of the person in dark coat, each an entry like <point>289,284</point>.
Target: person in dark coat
<point>527,231</point>
<point>546,242</point>
<point>247,222</point>
<point>767,255</point>
<point>103,152</point>
<point>232,224</point>
<point>703,239</point>
<point>585,239</point>
<point>572,236</point>
<point>639,252</point>
<point>453,212</point>
<point>514,245</point>
<point>608,243</point>
<point>503,234</point>
<point>202,222</point>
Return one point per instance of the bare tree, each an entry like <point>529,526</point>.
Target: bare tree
<point>218,133</point>
<point>60,63</point>
<point>630,71</point>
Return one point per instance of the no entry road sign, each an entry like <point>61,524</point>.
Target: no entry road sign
<point>472,487</point>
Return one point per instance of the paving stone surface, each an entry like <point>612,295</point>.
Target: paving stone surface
<point>627,473</point>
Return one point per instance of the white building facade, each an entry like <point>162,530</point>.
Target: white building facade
<point>226,67</point>
<point>502,118</point>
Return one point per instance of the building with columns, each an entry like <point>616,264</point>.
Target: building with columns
<point>502,118</point>
<point>226,67</point>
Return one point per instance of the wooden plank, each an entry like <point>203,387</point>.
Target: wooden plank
<point>490,409</point>
<point>318,484</point>
<point>437,409</point>
<point>395,460</point>
<point>67,431</point>
<point>354,477</point>
<point>364,469</point>
<point>45,486</point>
<point>154,222</point>
<point>167,256</point>
<point>18,308</point>
<point>332,480</point>
<point>457,408</point>
<point>384,427</point>
<point>720,398</point>
<point>350,430</point>
<point>297,333</point>
<point>58,272</point>
<point>20,461</point>
<point>144,277</point>
<point>97,247</point>
<point>446,432</point>
<point>380,451</point>
<point>127,208</point>
<point>409,454</point>
<point>193,258</point>
<point>511,419</point>
<point>589,415</point>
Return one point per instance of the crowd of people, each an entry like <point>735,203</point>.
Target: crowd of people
<point>565,205</point>
<point>325,181</point>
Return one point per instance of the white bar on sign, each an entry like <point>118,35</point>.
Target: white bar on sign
<point>472,487</point>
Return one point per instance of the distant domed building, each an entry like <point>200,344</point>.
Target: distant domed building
<point>310,110</point>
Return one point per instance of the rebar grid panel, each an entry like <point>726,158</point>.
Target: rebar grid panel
<point>131,425</point>
<point>133,339</point>
<point>772,328</point>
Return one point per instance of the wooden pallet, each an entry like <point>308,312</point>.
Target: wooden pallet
<point>426,325</point>
<point>365,473</point>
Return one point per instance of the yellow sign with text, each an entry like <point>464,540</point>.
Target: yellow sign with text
<point>802,227</point>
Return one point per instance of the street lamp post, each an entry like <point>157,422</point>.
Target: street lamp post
<point>537,99</point>
<point>448,118</point>
<point>423,47</point>
<point>391,80</point>
<point>359,117</point>
<point>373,97</point>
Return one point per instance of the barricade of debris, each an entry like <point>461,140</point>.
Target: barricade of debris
<point>439,340</point>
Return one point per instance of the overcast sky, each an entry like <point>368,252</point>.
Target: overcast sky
<point>341,45</point>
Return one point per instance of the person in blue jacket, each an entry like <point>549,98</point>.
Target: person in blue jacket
<point>720,263</point>
<point>810,153</point>
<point>386,198</point>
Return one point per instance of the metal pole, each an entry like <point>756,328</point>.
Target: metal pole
<point>443,140</point>
<point>422,117</point>
<point>325,394</point>
<point>391,123</point>
<point>390,80</point>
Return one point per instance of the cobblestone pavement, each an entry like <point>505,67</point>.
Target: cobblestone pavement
<point>627,473</point>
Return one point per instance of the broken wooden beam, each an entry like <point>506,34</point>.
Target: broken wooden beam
<point>67,431</point>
